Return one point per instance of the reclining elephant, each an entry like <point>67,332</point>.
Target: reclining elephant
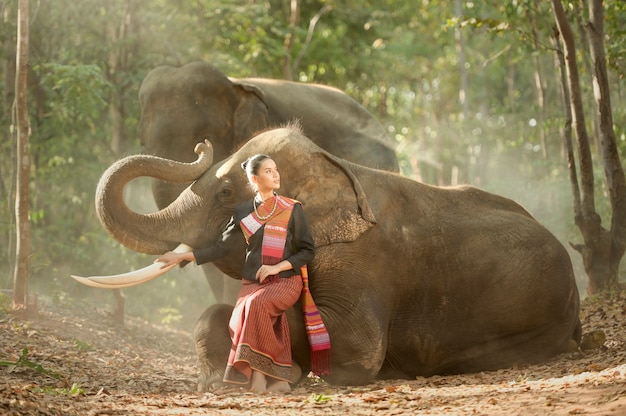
<point>410,279</point>
<point>181,106</point>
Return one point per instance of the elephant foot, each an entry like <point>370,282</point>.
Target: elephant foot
<point>296,373</point>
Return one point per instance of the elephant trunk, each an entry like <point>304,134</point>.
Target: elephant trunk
<point>145,233</point>
<point>165,192</point>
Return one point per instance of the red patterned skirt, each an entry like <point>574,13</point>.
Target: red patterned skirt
<point>259,330</point>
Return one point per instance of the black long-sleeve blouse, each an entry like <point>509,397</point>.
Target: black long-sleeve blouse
<point>299,246</point>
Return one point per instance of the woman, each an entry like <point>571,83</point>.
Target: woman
<point>279,246</point>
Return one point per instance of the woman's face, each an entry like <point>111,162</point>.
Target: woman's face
<point>268,178</point>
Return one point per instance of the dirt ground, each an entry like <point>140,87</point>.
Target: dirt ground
<point>72,361</point>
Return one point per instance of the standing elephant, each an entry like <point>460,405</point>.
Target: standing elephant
<point>183,105</point>
<point>410,279</point>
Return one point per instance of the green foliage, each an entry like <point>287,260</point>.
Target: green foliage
<point>75,390</point>
<point>23,361</point>
<point>319,398</point>
<point>75,93</point>
<point>615,16</point>
<point>83,346</point>
<point>5,304</point>
<point>170,315</point>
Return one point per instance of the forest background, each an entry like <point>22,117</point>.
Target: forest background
<point>469,93</point>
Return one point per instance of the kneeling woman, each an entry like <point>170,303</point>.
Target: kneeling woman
<point>279,245</point>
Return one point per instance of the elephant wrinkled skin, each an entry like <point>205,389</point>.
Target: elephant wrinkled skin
<point>410,279</point>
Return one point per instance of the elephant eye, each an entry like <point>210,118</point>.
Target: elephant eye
<point>226,194</point>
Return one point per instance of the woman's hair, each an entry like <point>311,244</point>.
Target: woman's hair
<point>252,164</point>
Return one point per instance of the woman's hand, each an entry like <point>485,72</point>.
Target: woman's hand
<point>171,258</point>
<point>266,270</point>
<point>270,270</point>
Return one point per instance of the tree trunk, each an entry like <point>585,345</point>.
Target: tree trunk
<point>20,277</point>
<point>601,251</point>
<point>7,183</point>
<point>294,21</point>
<point>117,32</point>
<point>615,178</point>
<point>460,53</point>
<point>567,128</point>
<point>586,60</point>
<point>539,89</point>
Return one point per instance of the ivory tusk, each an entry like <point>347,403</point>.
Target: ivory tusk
<point>137,277</point>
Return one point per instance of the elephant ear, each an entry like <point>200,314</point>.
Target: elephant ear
<point>334,201</point>
<point>251,114</point>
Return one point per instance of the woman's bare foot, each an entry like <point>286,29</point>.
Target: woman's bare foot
<point>279,386</point>
<point>258,384</point>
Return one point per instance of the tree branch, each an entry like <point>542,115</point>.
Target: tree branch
<point>309,35</point>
